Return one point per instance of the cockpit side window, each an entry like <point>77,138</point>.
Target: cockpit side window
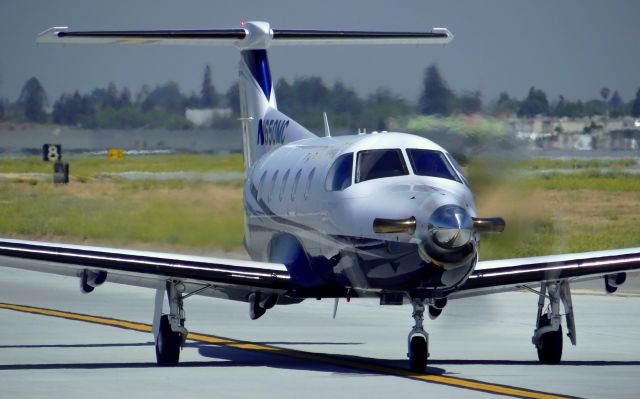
<point>431,163</point>
<point>376,164</point>
<point>458,169</point>
<point>339,176</point>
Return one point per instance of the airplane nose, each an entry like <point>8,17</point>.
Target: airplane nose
<point>450,227</point>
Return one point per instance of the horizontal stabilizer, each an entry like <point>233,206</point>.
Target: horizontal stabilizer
<point>191,37</point>
<point>250,35</point>
<point>435,36</point>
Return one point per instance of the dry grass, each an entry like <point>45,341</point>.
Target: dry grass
<point>202,217</point>
<point>543,221</point>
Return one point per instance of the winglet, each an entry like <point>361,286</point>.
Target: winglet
<point>51,35</point>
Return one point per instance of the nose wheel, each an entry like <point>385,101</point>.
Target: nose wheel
<point>418,339</point>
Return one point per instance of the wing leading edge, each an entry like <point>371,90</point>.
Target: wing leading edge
<point>142,268</point>
<point>509,274</point>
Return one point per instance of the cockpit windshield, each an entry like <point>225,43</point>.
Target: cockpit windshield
<point>431,163</point>
<point>376,164</point>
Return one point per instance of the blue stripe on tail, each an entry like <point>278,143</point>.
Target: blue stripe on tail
<point>258,64</point>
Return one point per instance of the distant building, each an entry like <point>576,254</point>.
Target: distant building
<point>624,139</point>
<point>588,133</point>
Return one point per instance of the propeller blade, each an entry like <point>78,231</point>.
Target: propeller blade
<point>407,225</point>
<point>335,307</point>
<point>489,225</point>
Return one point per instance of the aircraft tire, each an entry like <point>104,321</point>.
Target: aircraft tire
<point>418,354</point>
<point>550,345</point>
<point>167,344</point>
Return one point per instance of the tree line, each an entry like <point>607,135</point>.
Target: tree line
<point>438,99</point>
<point>304,99</point>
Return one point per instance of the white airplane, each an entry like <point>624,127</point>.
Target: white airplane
<point>386,215</point>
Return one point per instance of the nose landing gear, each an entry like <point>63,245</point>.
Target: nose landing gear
<point>418,339</point>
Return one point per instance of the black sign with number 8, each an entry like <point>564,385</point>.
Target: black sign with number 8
<point>51,152</point>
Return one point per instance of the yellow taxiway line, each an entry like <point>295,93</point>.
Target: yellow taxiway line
<point>320,357</point>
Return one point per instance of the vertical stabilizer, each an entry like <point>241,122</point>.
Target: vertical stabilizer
<point>263,126</point>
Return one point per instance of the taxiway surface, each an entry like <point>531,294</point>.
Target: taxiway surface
<point>479,348</point>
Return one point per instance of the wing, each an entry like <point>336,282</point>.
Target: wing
<point>512,274</point>
<point>225,278</point>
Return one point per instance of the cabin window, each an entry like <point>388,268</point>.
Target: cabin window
<point>376,164</point>
<point>308,186</point>
<point>339,176</point>
<point>284,184</point>
<point>273,185</point>
<point>431,163</point>
<point>261,185</point>
<point>296,180</point>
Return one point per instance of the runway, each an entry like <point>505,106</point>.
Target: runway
<point>480,347</point>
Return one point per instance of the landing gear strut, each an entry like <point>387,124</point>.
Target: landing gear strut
<point>547,336</point>
<point>169,331</point>
<point>418,339</point>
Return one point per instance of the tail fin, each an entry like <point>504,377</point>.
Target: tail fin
<point>263,126</point>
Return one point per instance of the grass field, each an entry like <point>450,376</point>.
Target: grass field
<point>182,215</point>
<point>586,209</point>
<point>93,166</point>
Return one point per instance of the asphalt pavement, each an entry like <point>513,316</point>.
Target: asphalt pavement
<point>480,347</point>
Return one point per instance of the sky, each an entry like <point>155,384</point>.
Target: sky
<point>568,47</point>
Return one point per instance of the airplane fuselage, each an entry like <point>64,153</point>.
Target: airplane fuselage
<point>311,205</point>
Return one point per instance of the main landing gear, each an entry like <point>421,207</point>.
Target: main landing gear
<point>168,329</point>
<point>547,336</point>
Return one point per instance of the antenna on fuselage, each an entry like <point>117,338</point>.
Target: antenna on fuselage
<point>327,132</point>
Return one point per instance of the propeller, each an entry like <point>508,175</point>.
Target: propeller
<point>450,235</point>
<point>408,225</point>
<point>489,225</point>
